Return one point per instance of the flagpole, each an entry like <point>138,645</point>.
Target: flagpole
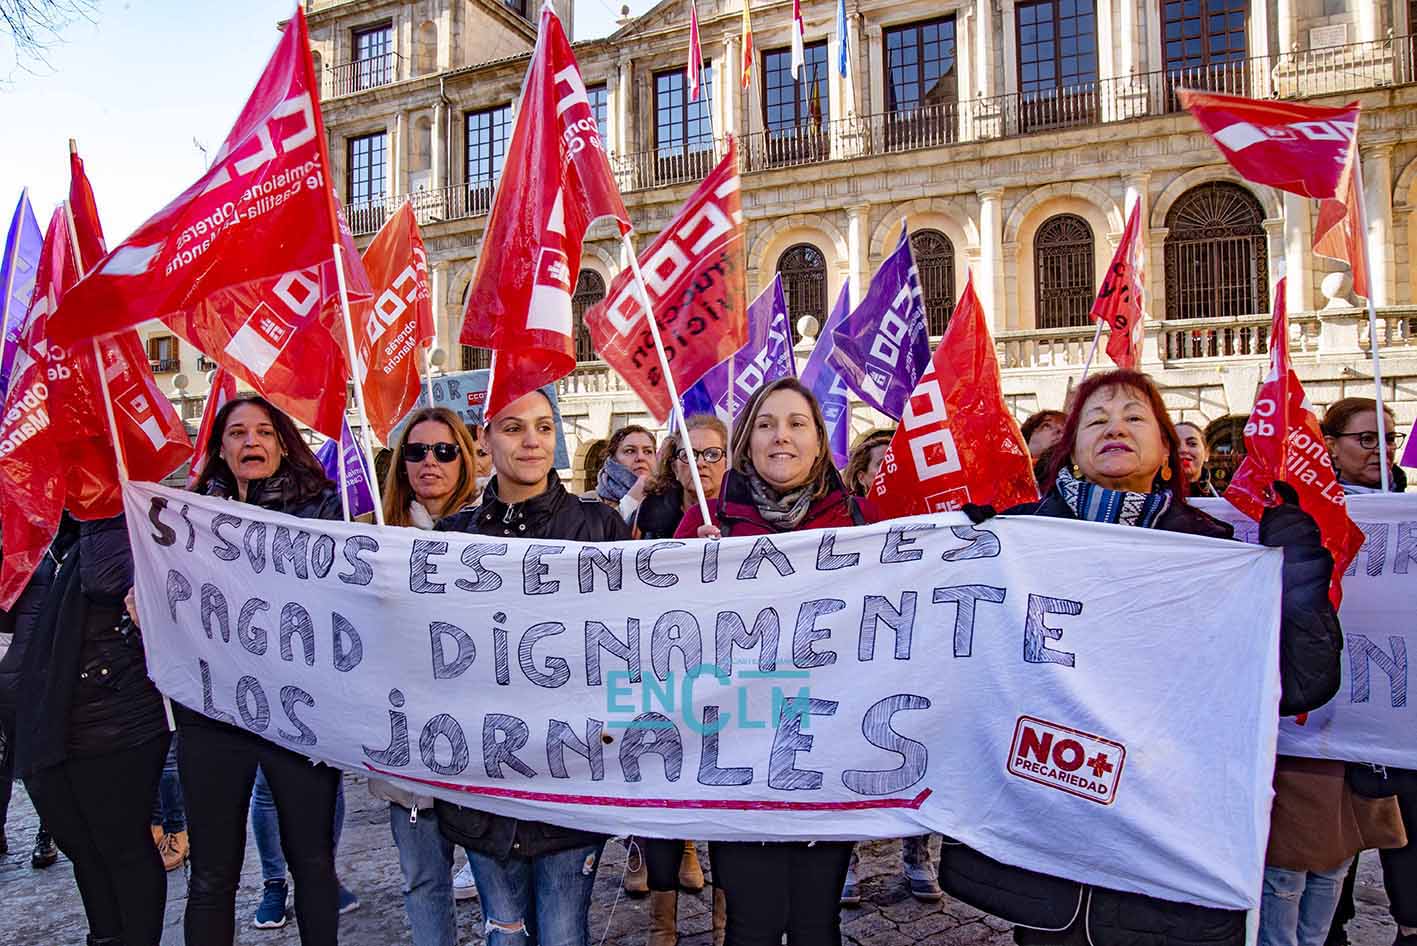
<point>1092,352</point>
<point>428,374</point>
<point>358,388</point>
<point>343,479</point>
<point>668,374</point>
<point>1362,196</point>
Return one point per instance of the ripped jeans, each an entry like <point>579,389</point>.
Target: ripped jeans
<point>537,901</point>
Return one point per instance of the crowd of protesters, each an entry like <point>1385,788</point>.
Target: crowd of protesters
<point>127,786</point>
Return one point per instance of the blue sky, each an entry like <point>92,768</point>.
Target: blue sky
<point>135,87</point>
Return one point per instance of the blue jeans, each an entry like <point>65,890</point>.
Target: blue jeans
<point>537,901</point>
<point>168,809</point>
<point>1297,907</point>
<point>265,827</point>
<point>426,859</point>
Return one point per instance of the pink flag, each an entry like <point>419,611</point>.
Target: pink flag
<point>1119,300</point>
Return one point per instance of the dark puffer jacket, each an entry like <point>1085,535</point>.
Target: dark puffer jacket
<point>554,514</point>
<point>660,514</point>
<point>83,688</point>
<point>1310,644</point>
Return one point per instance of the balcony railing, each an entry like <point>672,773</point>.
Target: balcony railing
<point>161,365</point>
<point>454,202</point>
<point>360,75</point>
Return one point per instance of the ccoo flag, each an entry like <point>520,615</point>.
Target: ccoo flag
<point>957,442</point>
<point>883,346</point>
<point>821,375</point>
<point>766,357</point>
<point>1283,441</point>
<point>357,495</point>
<point>23,244</point>
<point>241,264</point>
<point>694,277</point>
<point>555,182</point>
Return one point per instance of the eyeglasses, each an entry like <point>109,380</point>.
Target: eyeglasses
<point>1368,439</point>
<point>442,452</point>
<point>708,454</point>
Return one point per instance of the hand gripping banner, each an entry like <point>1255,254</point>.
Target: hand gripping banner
<point>893,679</point>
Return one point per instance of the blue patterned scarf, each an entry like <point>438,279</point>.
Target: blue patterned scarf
<point>1099,504</point>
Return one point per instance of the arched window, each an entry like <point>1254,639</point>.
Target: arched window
<point>804,283</point>
<point>1062,272</point>
<point>1216,264</point>
<point>935,261</point>
<point>590,289</point>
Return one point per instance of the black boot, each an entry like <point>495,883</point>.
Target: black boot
<point>106,941</point>
<point>45,851</point>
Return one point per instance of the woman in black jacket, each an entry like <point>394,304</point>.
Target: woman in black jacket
<point>1118,462</point>
<point>535,879</point>
<point>91,736</point>
<point>257,456</point>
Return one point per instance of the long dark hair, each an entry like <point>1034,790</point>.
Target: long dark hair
<point>297,460</point>
<point>1141,384</point>
<point>824,476</point>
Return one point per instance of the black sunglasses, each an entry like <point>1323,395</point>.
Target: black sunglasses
<point>442,452</point>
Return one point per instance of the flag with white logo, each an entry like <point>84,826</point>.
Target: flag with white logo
<point>767,357</point>
<point>826,382</point>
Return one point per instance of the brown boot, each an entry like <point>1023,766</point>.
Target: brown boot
<point>636,872</point>
<point>173,849</point>
<point>720,915</point>
<point>663,918</point>
<point>691,875</point>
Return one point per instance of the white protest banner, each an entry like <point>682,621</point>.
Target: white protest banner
<point>1054,710</point>
<point>1371,718</point>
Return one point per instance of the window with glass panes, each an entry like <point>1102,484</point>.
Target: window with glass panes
<point>590,289</point>
<point>1063,272</point>
<point>920,65</point>
<point>681,125</point>
<point>804,284</point>
<point>487,133</point>
<point>373,48</point>
<point>1057,47</point>
<point>792,103</point>
<point>599,102</point>
<point>1204,43</point>
<point>366,169</point>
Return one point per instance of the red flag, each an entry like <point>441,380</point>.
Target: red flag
<point>223,389</point>
<point>747,46</point>
<point>1304,149</point>
<point>695,69</point>
<point>694,273</point>
<point>1283,442</point>
<point>1337,234</point>
<point>799,50</point>
<point>241,263</point>
<point>957,442</point>
<point>1119,300</point>
<point>390,332</point>
<point>556,180</point>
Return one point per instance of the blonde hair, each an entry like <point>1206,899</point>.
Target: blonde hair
<point>398,492</point>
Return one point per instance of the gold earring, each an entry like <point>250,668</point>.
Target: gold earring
<point>1077,473</point>
<point>1166,470</point>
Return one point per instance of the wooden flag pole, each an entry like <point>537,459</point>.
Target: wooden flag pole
<point>358,389</point>
<point>668,375</point>
<point>1372,317</point>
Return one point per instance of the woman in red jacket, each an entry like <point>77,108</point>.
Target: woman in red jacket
<point>781,480</point>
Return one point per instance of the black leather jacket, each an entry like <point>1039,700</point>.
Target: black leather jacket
<point>1310,646</point>
<point>554,514</point>
<point>281,492</point>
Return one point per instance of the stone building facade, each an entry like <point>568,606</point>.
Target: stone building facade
<point>1010,136</point>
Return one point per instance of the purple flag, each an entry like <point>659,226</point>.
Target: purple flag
<point>767,357</point>
<point>17,271</point>
<point>884,346</point>
<point>826,382</point>
<point>361,500</point>
<point>1409,455</point>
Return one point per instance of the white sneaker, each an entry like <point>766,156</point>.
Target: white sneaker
<point>464,888</point>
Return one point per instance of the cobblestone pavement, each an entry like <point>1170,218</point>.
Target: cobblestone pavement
<point>42,907</point>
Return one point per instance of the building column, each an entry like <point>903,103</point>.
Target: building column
<point>439,145</point>
<point>854,82</point>
<point>1259,43</point>
<point>728,95</point>
<point>1377,199</point>
<point>964,62</point>
<point>624,107</point>
<point>437,286</point>
<point>392,142</point>
<point>876,67</point>
<point>991,254</point>
<point>1008,38</point>
<point>1129,60</point>
<point>1368,17</point>
<point>858,250</point>
<point>1297,254</point>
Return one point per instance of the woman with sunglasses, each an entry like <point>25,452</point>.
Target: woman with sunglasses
<point>433,473</point>
<point>671,491</point>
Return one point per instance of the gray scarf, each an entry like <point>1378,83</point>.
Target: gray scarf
<point>783,511</point>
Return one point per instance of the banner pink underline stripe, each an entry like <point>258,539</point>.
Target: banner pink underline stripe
<point>711,803</point>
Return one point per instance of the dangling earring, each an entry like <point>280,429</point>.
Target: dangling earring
<point>1166,470</point>
<point>1077,473</point>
